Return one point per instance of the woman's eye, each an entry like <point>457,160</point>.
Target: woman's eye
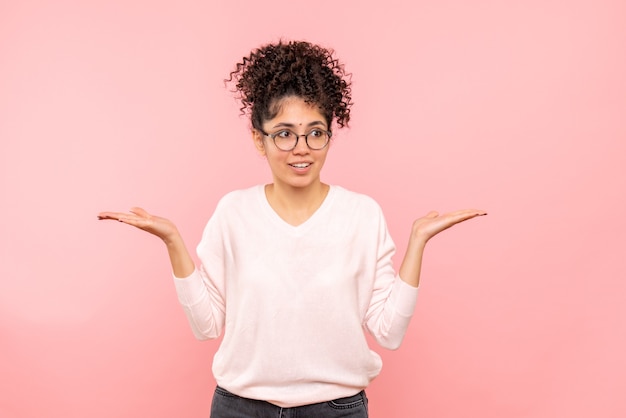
<point>316,133</point>
<point>284,134</point>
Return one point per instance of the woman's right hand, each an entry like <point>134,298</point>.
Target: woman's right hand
<point>139,218</point>
<point>182,263</point>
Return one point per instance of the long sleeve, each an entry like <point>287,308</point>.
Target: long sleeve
<point>393,301</point>
<point>204,308</point>
<point>202,295</point>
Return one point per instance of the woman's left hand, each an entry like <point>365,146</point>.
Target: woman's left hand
<point>430,225</point>
<point>424,229</point>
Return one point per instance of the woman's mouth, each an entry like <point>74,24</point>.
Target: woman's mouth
<point>300,165</point>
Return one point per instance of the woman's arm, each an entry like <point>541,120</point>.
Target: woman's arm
<point>203,304</point>
<point>182,263</point>
<point>424,229</point>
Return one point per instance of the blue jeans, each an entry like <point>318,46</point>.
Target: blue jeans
<point>228,405</point>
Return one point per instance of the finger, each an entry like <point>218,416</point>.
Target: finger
<point>467,212</point>
<point>477,212</point>
<point>127,218</point>
<point>432,214</point>
<point>464,215</point>
<point>140,212</point>
<point>109,215</point>
<point>133,221</point>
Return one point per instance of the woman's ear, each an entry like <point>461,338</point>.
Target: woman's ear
<point>259,144</point>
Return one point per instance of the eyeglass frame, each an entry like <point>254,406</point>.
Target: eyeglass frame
<point>306,138</point>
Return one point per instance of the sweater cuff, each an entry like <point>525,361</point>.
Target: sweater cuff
<point>189,288</point>
<point>404,297</point>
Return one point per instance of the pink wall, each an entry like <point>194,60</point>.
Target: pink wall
<point>515,107</point>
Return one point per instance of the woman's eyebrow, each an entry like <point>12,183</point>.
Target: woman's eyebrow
<point>292,125</point>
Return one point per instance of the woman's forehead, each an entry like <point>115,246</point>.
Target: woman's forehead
<point>297,110</point>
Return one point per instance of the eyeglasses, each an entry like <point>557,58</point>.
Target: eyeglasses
<point>286,140</point>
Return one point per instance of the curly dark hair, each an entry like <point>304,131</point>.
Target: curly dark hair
<point>297,68</point>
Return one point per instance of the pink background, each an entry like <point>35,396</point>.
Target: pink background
<point>516,107</point>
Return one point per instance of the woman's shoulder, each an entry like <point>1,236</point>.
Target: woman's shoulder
<point>245,193</point>
<point>239,198</point>
<point>353,199</point>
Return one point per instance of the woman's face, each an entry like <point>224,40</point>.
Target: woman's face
<point>299,168</point>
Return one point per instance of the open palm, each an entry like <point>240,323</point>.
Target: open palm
<point>140,218</point>
<point>433,223</point>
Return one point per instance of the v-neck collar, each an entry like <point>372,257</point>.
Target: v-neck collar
<point>304,226</point>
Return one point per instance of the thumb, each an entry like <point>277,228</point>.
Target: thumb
<point>139,212</point>
<point>432,214</point>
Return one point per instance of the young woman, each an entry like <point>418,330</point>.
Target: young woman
<point>293,272</point>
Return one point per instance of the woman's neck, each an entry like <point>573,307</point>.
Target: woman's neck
<point>296,205</point>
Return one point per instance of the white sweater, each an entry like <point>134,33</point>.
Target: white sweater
<point>293,301</point>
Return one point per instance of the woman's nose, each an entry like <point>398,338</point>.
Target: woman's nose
<point>301,145</point>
